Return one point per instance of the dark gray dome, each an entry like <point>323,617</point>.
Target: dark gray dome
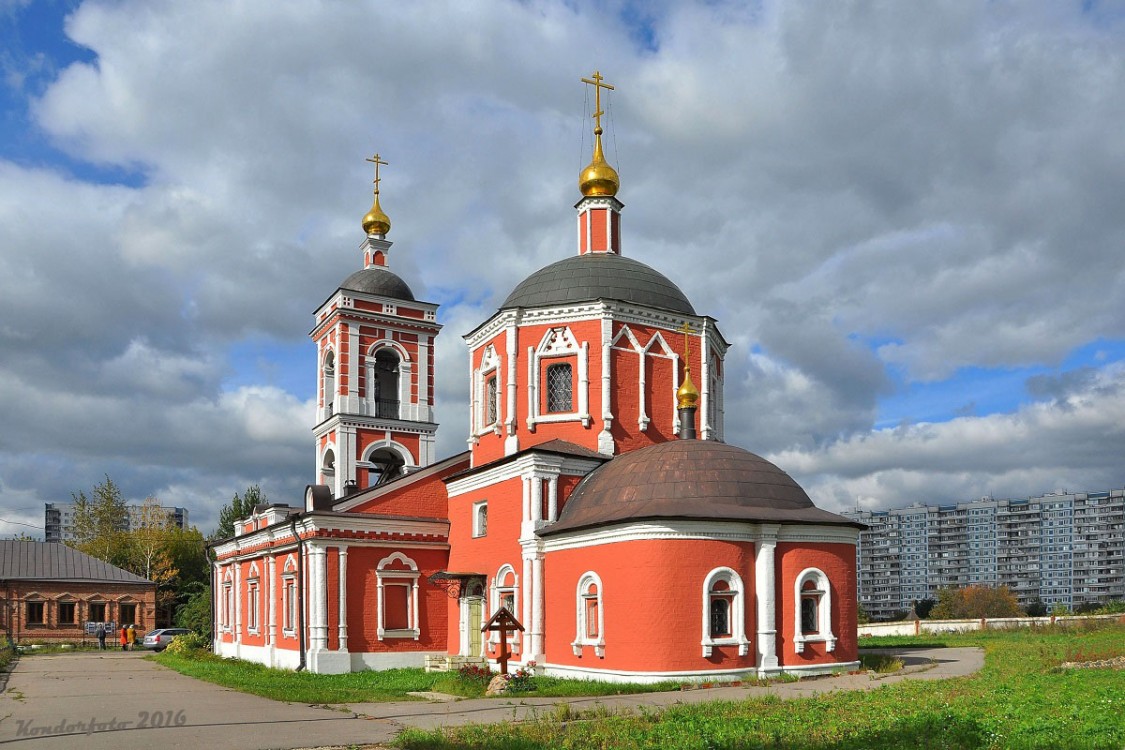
<point>592,276</point>
<point>378,280</point>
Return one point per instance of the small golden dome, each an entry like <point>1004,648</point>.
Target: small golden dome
<point>599,178</point>
<point>376,222</point>
<point>688,395</point>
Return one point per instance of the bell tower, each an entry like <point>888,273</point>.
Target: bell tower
<point>375,370</point>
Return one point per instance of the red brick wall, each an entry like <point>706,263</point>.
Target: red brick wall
<point>837,561</point>
<point>13,609</point>
<point>652,599</point>
<point>362,614</point>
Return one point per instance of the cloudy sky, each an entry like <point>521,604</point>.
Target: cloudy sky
<point>908,218</point>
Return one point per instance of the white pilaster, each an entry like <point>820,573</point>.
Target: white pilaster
<point>511,442</point>
<point>526,605</point>
<point>705,386</point>
<point>271,604</point>
<point>352,403</point>
<point>535,640</point>
<point>320,597</point>
<point>343,598</point>
<point>605,438</point>
<point>536,498</point>
<point>553,498</point>
<point>237,605</point>
<point>766,595</point>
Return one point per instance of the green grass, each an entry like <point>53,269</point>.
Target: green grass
<point>368,687</point>
<point>880,663</point>
<point>300,687</point>
<point>57,648</point>
<point>1021,699</point>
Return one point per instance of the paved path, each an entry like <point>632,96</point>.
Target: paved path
<point>52,701</point>
<point>920,664</point>
<point>119,700</point>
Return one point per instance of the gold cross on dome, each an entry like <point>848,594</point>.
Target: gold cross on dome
<point>596,82</point>
<point>377,162</point>
<point>686,330</point>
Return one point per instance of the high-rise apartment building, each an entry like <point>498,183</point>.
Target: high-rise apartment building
<point>58,520</point>
<point>1062,548</point>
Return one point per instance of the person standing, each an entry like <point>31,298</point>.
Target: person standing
<point>132,637</point>
<point>124,638</point>
<point>100,633</point>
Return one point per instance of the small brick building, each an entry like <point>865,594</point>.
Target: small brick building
<point>49,592</point>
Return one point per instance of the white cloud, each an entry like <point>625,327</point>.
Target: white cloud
<point>1076,440</point>
<point>853,190</point>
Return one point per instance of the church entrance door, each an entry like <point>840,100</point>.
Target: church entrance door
<point>476,613</point>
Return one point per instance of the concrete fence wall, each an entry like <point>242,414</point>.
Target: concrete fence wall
<point>921,627</point>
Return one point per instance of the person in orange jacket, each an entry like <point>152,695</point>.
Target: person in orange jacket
<point>132,637</point>
<point>124,638</point>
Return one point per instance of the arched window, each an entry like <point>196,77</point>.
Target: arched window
<point>480,518</point>
<point>505,593</point>
<point>724,612</point>
<point>386,464</point>
<point>384,384</point>
<point>329,381</point>
<point>397,579</point>
<point>560,385</point>
<point>328,466</point>
<point>721,600</point>
<point>590,629</point>
<point>491,394</point>
<point>812,616</point>
<point>486,392</point>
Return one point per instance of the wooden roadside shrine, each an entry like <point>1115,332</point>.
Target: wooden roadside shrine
<point>503,622</point>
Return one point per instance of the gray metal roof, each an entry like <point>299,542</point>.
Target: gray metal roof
<point>380,281</point>
<point>53,561</point>
<point>583,278</point>
<point>689,479</point>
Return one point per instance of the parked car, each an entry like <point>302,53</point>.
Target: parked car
<point>159,639</point>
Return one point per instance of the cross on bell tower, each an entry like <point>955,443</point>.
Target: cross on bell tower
<point>599,211</point>
<point>375,346</point>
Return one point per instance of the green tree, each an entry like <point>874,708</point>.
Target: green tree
<point>975,602</point>
<point>195,612</point>
<point>149,540</point>
<point>239,507</point>
<point>100,521</point>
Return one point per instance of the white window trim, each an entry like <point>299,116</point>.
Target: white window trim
<point>253,604</point>
<point>405,377</point>
<point>737,635</point>
<point>328,381</point>
<point>489,367</point>
<point>289,604</point>
<point>498,589</point>
<point>477,508</point>
<point>823,612</point>
<point>411,575</point>
<point>557,343</point>
<point>580,637</point>
<point>226,605</point>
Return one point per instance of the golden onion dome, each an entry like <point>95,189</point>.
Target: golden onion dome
<point>688,395</point>
<point>376,222</point>
<point>599,178</point>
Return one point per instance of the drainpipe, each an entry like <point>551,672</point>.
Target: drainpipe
<point>300,591</point>
<point>214,603</point>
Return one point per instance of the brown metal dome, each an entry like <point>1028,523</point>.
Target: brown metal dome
<point>689,479</point>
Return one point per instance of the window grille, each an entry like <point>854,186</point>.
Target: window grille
<point>559,385</point>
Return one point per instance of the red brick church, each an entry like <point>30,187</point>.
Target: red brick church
<point>597,501</point>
